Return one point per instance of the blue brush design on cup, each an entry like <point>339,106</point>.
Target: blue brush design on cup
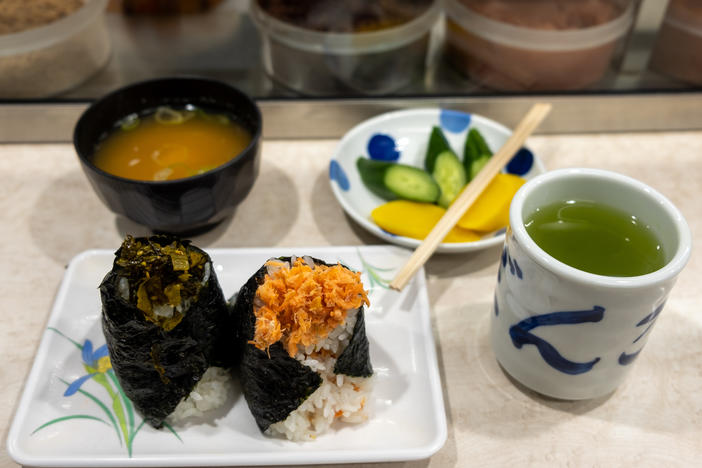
<point>514,267</point>
<point>520,334</point>
<point>503,262</point>
<point>625,358</point>
<point>649,319</point>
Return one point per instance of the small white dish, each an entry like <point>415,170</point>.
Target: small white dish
<point>408,419</point>
<point>402,136</point>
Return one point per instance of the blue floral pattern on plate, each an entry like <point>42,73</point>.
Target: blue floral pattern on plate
<point>117,408</point>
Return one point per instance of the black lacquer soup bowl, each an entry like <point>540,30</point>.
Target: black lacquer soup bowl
<point>176,206</point>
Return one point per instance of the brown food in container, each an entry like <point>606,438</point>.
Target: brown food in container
<point>162,7</point>
<point>53,51</point>
<point>327,47</point>
<point>351,16</point>
<point>20,15</point>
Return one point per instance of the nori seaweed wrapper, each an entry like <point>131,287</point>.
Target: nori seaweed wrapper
<point>354,361</point>
<point>158,364</point>
<point>275,384</point>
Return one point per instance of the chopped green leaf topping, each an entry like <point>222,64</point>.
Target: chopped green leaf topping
<point>164,274</point>
<point>180,260</point>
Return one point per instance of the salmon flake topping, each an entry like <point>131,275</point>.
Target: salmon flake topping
<point>302,304</point>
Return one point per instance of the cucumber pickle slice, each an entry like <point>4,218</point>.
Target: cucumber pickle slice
<point>450,175</point>
<point>476,153</point>
<point>411,183</point>
<point>437,145</point>
<point>391,181</point>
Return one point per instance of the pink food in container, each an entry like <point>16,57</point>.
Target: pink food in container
<point>677,51</point>
<point>521,45</point>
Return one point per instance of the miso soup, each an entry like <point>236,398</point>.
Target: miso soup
<point>170,144</point>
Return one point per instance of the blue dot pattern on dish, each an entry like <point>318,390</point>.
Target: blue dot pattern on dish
<point>382,147</point>
<point>336,172</point>
<point>521,163</point>
<point>454,121</point>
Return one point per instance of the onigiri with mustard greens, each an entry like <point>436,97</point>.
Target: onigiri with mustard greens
<point>164,316</point>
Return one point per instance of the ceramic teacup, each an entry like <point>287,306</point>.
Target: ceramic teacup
<point>567,333</point>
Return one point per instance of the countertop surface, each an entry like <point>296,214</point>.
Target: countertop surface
<point>50,214</point>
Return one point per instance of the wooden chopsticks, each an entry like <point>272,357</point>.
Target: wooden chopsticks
<point>470,193</point>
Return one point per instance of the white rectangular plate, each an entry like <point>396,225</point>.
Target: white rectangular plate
<point>86,429</point>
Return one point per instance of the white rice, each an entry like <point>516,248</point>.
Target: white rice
<point>211,392</point>
<point>338,397</point>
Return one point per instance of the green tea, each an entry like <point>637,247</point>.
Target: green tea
<point>596,238</point>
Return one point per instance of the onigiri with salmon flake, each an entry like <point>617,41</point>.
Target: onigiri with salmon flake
<point>305,360</point>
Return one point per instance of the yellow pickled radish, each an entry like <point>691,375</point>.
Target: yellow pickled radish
<point>416,220</point>
<point>490,211</point>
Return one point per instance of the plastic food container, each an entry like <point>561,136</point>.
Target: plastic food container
<point>330,63</point>
<point>50,59</point>
<point>677,51</point>
<point>552,55</point>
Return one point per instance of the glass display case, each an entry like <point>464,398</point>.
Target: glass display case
<point>594,62</point>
